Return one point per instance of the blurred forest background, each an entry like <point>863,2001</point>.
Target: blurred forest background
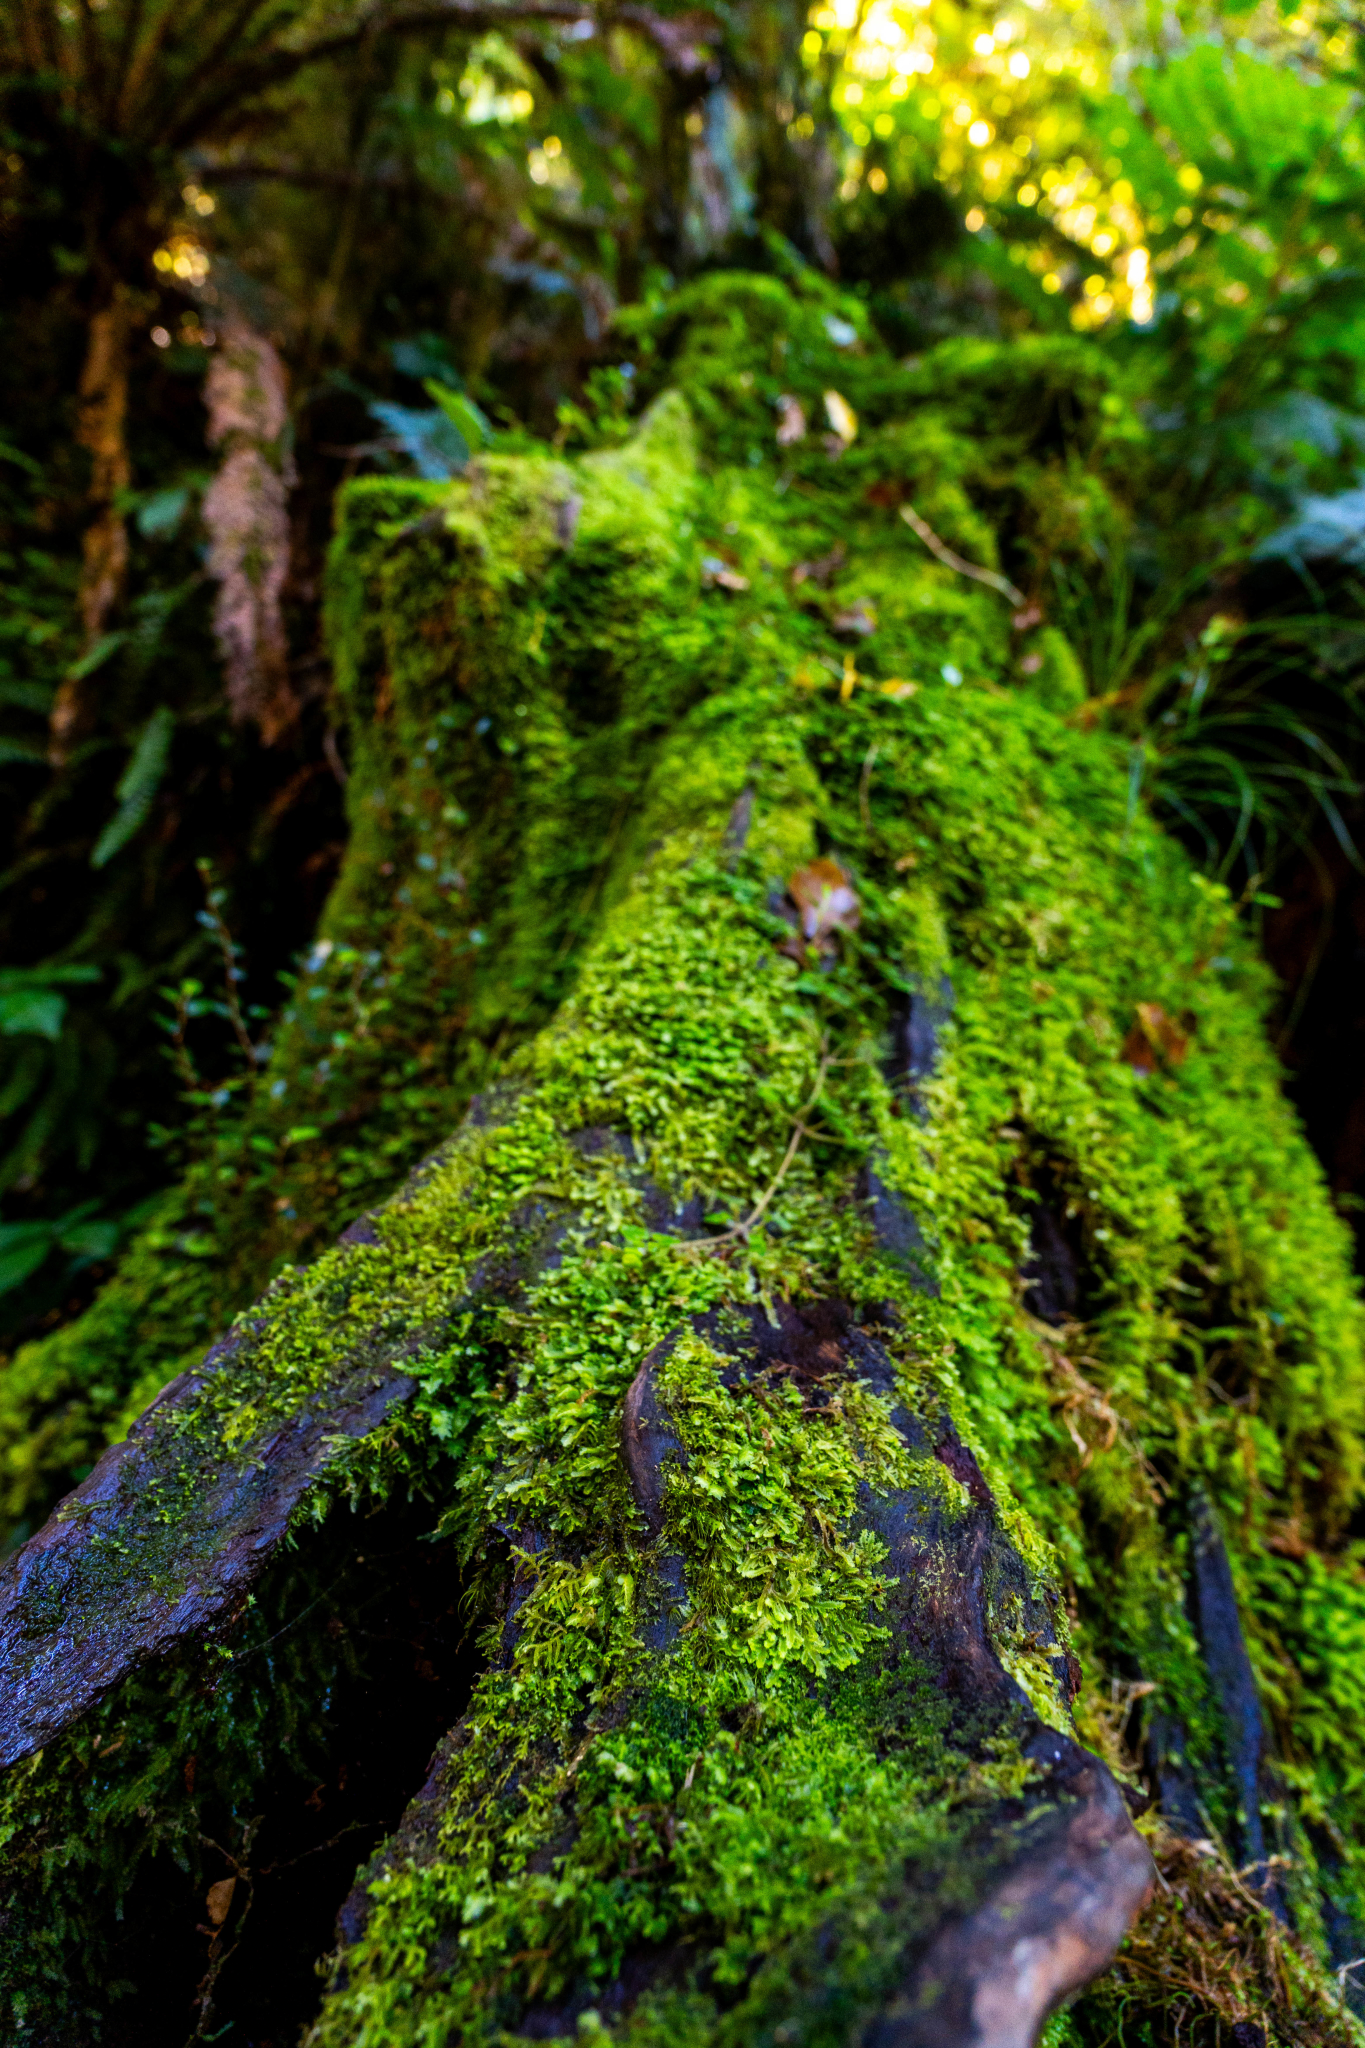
<point>251,248</point>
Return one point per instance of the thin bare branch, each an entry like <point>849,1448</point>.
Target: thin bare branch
<point>123,57</point>
<point>952,560</point>
<point>233,30</point>
<point>42,36</point>
<point>142,66</point>
<point>800,1130</point>
<point>93,58</point>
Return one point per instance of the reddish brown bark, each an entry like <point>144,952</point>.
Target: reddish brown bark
<point>101,428</point>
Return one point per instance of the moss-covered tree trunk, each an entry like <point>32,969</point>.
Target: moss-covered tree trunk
<point>867,1400</point>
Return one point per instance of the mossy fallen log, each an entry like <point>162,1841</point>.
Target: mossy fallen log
<point>878,1290</point>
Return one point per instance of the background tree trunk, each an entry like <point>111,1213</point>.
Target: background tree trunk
<point>101,430</point>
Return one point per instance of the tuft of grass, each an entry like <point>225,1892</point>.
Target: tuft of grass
<point>1246,734</point>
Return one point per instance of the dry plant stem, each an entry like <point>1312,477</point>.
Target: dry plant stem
<point>101,430</point>
<point>218,1955</point>
<point>234,1007</point>
<point>1168,1949</point>
<point>800,1130</point>
<point>184,1065</point>
<point>246,515</point>
<point>1076,1395</point>
<point>951,560</point>
<point>246,1877</point>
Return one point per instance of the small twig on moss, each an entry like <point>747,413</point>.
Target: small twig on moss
<point>951,560</point>
<point>800,1130</point>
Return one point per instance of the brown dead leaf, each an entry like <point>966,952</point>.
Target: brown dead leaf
<point>1137,1053</point>
<point>1154,1036</point>
<point>1287,1539</point>
<point>827,902</point>
<point>218,1903</point>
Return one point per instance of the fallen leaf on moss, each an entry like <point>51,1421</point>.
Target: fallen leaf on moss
<point>842,418</point>
<point>1137,1052</point>
<point>1154,1036</point>
<point>823,569</point>
<point>827,903</point>
<point>716,574</point>
<point>791,421</point>
<point>859,618</point>
<point>1166,1035</point>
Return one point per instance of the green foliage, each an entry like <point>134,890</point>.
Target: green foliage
<point>137,786</point>
<point>24,1246</point>
<point>31,1002</point>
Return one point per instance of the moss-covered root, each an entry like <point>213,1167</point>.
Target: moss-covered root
<point>163,1543</point>
<point>979,1865</point>
<point>511,651</point>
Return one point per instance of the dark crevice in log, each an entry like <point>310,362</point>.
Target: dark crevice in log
<point>895,1225</point>
<point>1239,1775</point>
<point>917,1026</point>
<point>1052,1271</point>
<point>106,1585</point>
<point>1213,1600</point>
<point>381,1603</point>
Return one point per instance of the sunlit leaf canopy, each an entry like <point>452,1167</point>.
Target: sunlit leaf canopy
<point>1117,172</point>
<point>1129,172</point>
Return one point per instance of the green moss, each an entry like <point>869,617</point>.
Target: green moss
<point>567,731</point>
<point>484,828</point>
